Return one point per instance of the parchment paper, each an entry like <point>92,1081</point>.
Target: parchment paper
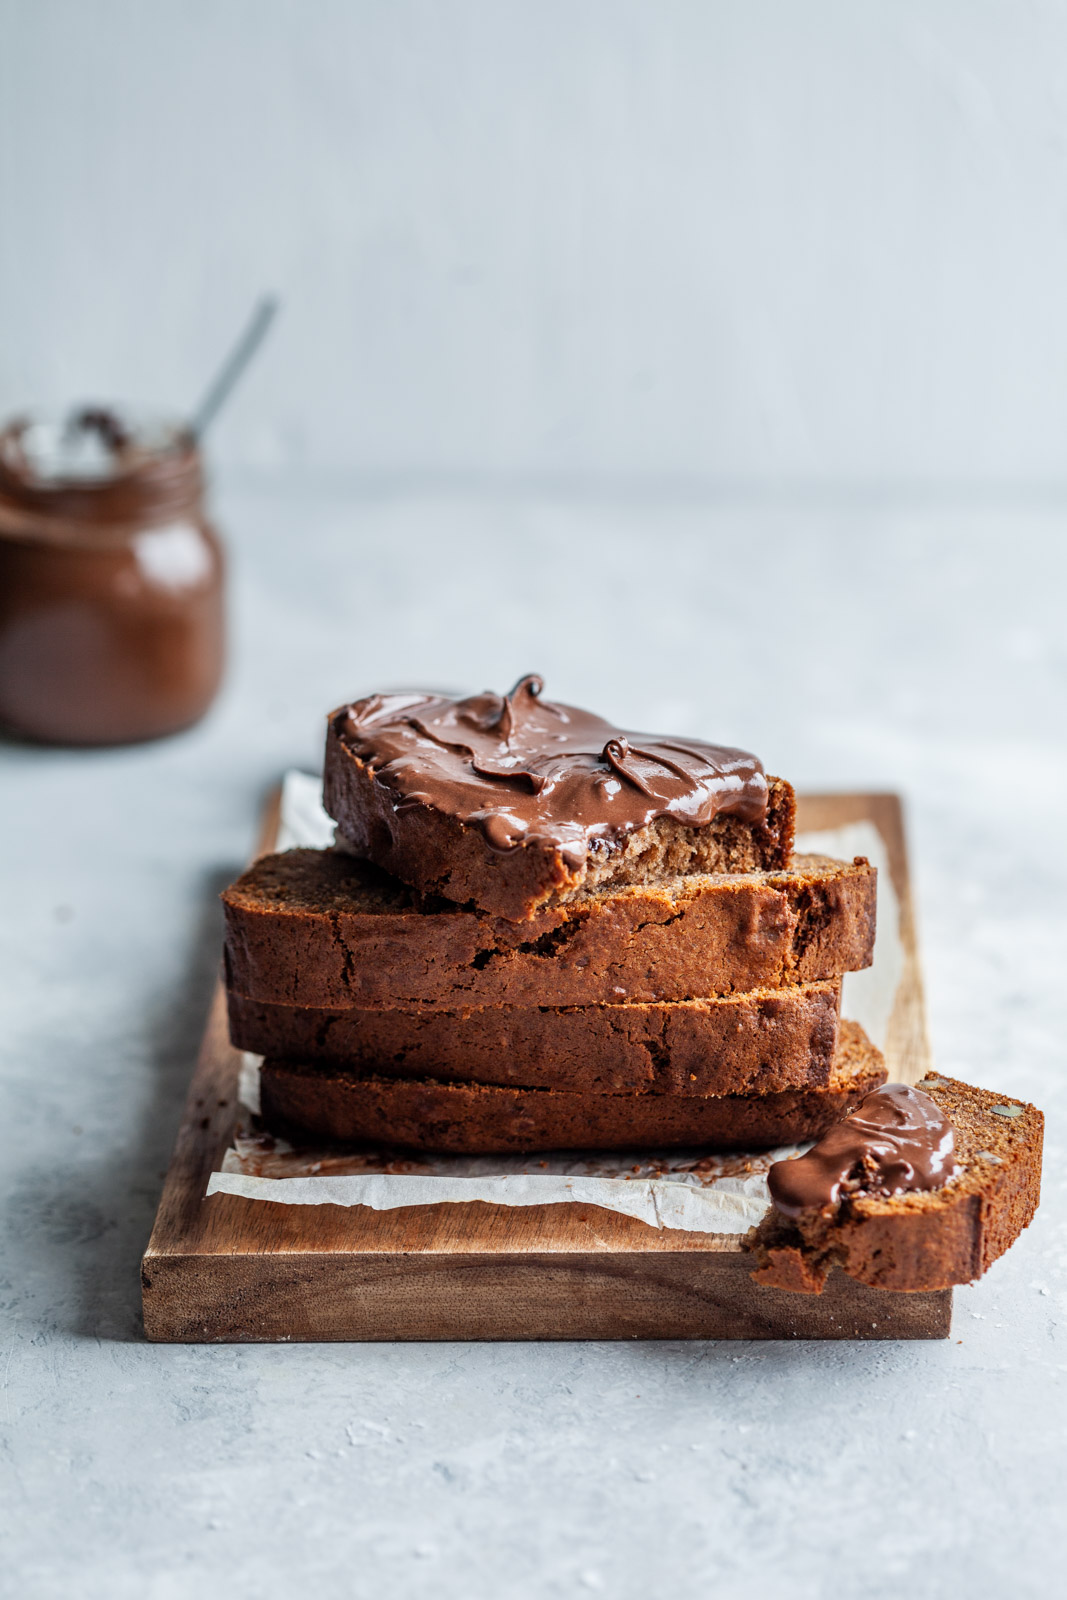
<point>691,1191</point>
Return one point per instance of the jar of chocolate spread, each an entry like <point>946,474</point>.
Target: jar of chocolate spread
<point>111,579</point>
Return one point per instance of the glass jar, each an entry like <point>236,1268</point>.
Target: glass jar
<point>111,581</point>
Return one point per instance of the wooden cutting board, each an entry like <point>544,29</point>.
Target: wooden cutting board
<point>235,1269</point>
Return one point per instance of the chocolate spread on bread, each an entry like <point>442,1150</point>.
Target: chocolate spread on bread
<point>919,1237</point>
<point>527,771</point>
<point>897,1141</point>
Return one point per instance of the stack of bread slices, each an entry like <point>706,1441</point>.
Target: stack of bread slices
<point>537,932</point>
<point>653,1008</point>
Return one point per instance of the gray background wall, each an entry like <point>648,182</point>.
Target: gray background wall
<point>654,242</point>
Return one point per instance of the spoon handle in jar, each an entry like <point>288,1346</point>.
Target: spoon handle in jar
<point>233,367</point>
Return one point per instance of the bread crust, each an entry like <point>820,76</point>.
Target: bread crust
<point>741,1044</point>
<point>319,928</point>
<point>349,1107</point>
<point>439,854</point>
<point>928,1239</point>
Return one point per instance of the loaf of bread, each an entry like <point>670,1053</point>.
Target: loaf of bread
<point>923,1238</point>
<point>507,803</point>
<point>344,1105</point>
<point>319,928</point>
<point>738,1044</point>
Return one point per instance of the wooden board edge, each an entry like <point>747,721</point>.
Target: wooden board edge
<point>533,1296</point>
<point>210,1110</point>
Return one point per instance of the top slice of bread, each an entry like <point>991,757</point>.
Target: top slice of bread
<point>928,1239</point>
<point>441,855</point>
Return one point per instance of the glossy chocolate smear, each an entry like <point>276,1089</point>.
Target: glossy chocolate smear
<point>897,1140</point>
<point>529,772</point>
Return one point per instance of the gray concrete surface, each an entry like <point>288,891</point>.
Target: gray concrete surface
<point>852,645</point>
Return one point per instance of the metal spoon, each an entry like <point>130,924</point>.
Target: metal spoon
<point>233,367</point>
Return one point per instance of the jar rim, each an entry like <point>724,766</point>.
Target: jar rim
<point>145,471</point>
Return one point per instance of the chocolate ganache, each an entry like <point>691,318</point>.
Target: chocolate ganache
<point>897,1140</point>
<point>531,772</point>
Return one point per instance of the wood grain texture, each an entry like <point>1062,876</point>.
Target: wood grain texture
<point>235,1270</point>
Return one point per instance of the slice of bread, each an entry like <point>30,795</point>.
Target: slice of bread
<point>926,1239</point>
<point>439,853</point>
<point>737,1044</point>
<point>321,928</point>
<point>347,1106</point>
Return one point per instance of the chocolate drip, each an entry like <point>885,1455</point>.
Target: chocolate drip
<point>527,771</point>
<point>897,1140</point>
<point>106,425</point>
